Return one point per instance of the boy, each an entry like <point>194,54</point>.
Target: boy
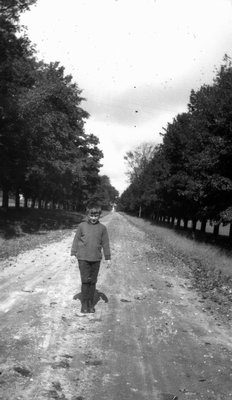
<point>91,237</point>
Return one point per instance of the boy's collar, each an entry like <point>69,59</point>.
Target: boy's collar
<point>87,220</point>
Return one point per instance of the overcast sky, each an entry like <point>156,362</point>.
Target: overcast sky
<point>135,60</point>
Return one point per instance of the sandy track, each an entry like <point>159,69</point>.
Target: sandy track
<point>152,340</point>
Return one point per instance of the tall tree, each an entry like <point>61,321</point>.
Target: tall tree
<point>44,151</point>
<point>211,110</point>
<point>138,159</point>
<point>57,143</point>
<point>106,192</point>
<point>16,74</point>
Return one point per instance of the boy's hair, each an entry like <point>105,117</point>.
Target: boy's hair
<point>94,205</point>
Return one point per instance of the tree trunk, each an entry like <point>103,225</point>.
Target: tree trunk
<point>185,223</point>
<point>40,204</point>
<point>194,224</point>
<point>203,225</point>
<point>5,198</point>
<point>230,231</point>
<point>178,222</point>
<point>17,199</point>
<point>216,229</point>
<point>140,211</point>
<point>25,201</point>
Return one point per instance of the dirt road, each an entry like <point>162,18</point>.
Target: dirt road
<point>150,339</point>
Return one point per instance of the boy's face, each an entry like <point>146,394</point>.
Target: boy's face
<point>94,215</point>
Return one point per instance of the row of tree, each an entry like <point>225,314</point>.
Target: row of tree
<point>45,154</point>
<point>189,175</point>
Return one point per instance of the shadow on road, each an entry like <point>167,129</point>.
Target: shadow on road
<point>97,297</point>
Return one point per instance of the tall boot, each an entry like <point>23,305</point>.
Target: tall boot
<point>91,298</point>
<point>84,297</point>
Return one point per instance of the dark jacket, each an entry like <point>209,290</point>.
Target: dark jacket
<point>89,241</point>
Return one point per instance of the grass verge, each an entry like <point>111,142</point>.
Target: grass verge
<point>210,266</point>
<point>26,229</point>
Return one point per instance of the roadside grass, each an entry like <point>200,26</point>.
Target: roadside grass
<point>26,229</point>
<point>213,257</point>
<point>210,266</point>
<point>15,222</point>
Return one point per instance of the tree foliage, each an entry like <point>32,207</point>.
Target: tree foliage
<point>45,153</point>
<point>189,175</point>
<point>106,193</point>
<point>138,159</point>
<point>11,9</point>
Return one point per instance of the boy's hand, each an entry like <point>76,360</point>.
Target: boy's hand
<point>73,259</point>
<point>108,265</point>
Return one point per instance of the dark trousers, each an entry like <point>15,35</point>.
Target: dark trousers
<point>89,273</point>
